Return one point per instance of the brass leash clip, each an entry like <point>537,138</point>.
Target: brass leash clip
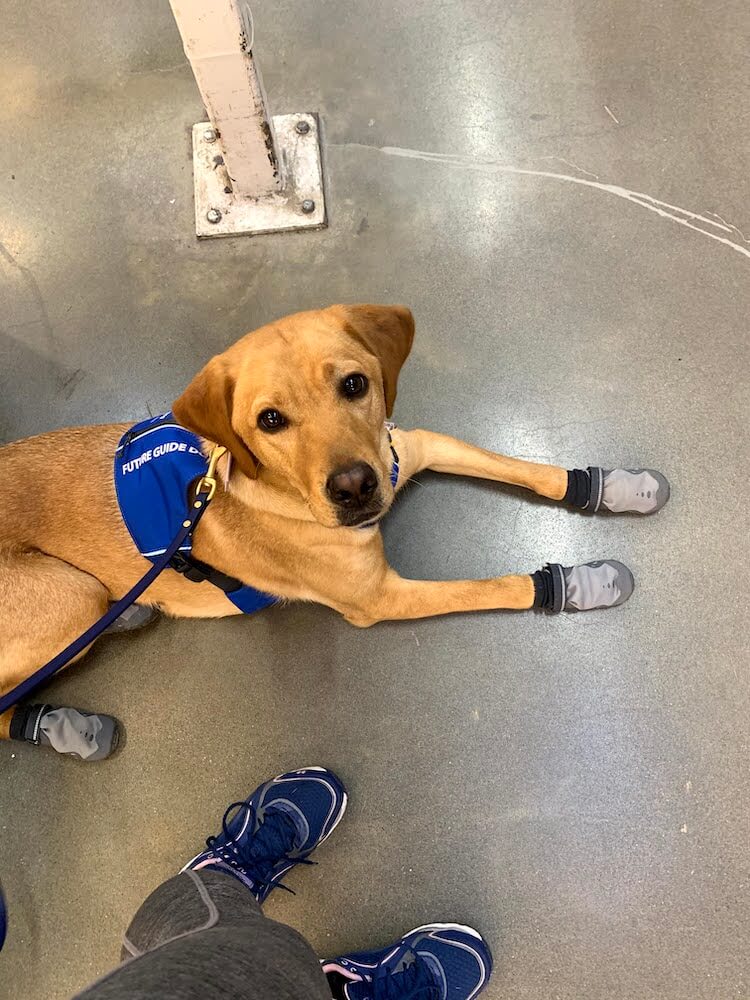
<point>207,483</point>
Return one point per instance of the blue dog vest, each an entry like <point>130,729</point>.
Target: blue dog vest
<point>155,463</point>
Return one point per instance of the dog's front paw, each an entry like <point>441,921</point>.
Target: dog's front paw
<point>620,491</point>
<point>638,491</point>
<point>603,584</point>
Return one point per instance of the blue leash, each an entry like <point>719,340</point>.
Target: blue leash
<point>204,492</point>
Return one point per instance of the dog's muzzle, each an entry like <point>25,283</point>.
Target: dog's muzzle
<point>354,491</point>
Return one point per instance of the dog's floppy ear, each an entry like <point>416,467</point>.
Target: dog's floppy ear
<point>387,332</point>
<point>205,408</point>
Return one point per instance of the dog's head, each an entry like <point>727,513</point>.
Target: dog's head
<point>305,400</point>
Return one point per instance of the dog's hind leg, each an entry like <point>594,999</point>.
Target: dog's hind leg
<point>44,605</point>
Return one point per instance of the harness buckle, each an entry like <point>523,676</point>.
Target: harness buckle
<point>207,482</point>
<point>187,568</point>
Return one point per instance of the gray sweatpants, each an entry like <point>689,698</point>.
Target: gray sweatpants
<point>202,936</point>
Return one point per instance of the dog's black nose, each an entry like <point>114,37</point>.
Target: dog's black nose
<point>352,486</point>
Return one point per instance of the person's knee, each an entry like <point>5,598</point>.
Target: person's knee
<point>190,902</point>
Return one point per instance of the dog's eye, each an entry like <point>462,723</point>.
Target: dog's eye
<point>354,385</point>
<point>271,420</point>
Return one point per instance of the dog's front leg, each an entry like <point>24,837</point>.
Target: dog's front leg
<point>355,579</point>
<point>420,450</point>
<point>396,598</point>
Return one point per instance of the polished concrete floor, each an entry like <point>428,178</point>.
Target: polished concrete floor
<point>575,787</point>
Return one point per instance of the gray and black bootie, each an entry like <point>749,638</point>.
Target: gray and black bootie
<point>67,730</point>
<point>620,491</point>
<point>586,587</point>
<point>137,616</point>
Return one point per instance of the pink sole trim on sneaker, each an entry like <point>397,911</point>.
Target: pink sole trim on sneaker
<point>225,869</point>
<point>333,967</point>
<point>447,927</point>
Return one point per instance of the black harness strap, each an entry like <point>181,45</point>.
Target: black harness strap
<point>198,571</point>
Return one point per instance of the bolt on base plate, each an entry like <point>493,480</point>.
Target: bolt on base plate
<point>301,205</point>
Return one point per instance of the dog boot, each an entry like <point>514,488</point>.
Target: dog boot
<point>582,588</point>
<point>135,617</point>
<point>634,491</point>
<point>81,734</point>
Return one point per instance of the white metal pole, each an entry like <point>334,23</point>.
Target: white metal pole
<point>253,172</point>
<point>214,35</point>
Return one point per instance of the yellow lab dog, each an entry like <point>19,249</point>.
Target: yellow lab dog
<point>311,467</point>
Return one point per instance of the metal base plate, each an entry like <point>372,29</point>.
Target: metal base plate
<point>236,216</point>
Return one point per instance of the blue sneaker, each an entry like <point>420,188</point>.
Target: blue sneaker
<point>435,962</point>
<point>282,822</point>
<point>3,919</point>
